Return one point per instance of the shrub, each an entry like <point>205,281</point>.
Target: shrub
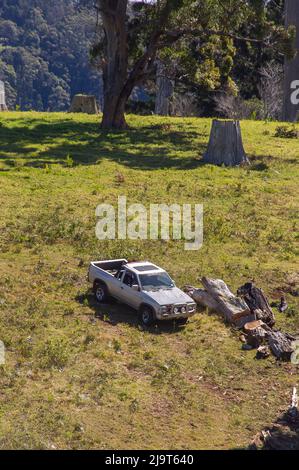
<point>234,107</point>
<point>54,353</point>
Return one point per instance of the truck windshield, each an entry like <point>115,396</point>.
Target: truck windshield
<point>155,281</point>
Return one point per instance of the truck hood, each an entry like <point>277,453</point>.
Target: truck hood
<point>169,296</point>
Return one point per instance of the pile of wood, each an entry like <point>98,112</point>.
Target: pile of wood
<point>250,311</point>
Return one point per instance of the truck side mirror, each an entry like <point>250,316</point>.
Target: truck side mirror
<point>135,287</point>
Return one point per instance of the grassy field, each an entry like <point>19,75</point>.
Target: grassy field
<point>82,376</point>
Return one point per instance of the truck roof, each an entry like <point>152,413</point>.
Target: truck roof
<point>144,267</point>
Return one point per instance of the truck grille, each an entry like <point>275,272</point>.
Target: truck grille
<point>178,307</point>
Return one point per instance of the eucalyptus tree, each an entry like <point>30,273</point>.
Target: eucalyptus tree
<point>187,31</point>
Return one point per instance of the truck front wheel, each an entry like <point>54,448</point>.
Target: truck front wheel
<point>182,321</point>
<point>146,316</point>
<point>100,292</point>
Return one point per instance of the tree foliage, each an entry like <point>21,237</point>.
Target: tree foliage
<point>197,37</point>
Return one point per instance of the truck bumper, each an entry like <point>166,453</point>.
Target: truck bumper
<point>173,316</point>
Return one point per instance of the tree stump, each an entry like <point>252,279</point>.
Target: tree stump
<point>84,104</point>
<point>255,333</point>
<point>257,302</point>
<point>225,145</point>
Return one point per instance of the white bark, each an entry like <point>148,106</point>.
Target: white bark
<point>165,90</point>
<point>291,104</point>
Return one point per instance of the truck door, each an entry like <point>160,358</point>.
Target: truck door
<point>129,295</point>
<point>115,285</point>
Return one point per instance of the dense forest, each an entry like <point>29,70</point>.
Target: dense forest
<point>44,52</point>
<point>45,58</point>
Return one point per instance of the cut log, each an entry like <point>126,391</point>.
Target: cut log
<point>255,333</point>
<point>257,302</point>
<point>280,344</point>
<point>84,104</point>
<point>225,145</point>
<point>217,297</point>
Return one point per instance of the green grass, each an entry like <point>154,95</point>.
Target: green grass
<point>76,380</point>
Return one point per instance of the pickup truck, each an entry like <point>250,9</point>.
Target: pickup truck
<point>143,286</point>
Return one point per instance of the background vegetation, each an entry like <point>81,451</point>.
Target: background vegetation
<point>44,52</point>
<point>44,58</point>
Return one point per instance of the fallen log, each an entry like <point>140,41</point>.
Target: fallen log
<point>257,302</point>
<point>280,345</point>
<point>203,298</point>
<point>233,308</point>
<point>217,297</point>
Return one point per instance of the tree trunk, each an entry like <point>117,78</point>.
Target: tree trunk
<point>291,68</point>
<point>165,89</point>
<point>115,66</point>
<point>117,82</point>
<point>3,106</point>
<point>225,145</point>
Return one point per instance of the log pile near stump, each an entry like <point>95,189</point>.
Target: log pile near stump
<point>250,311</point>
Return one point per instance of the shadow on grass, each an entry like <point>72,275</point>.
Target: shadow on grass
<point>282,435</point>
<point>115,312</point>
<point>41,143</point>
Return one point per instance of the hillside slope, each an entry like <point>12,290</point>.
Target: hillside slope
<point>82,376</point>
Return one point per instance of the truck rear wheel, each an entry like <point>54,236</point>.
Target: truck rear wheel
<point>146,316</point>
<point>100,292</point>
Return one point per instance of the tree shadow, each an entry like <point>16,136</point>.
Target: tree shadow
<point>39,143</point>
<point>282,435</point>
<point>116,313</point>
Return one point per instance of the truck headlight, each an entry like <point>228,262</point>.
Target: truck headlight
<point>176,310</point>
<point>191,307</point>
<point>164,310</point>
<point>183,310</point>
